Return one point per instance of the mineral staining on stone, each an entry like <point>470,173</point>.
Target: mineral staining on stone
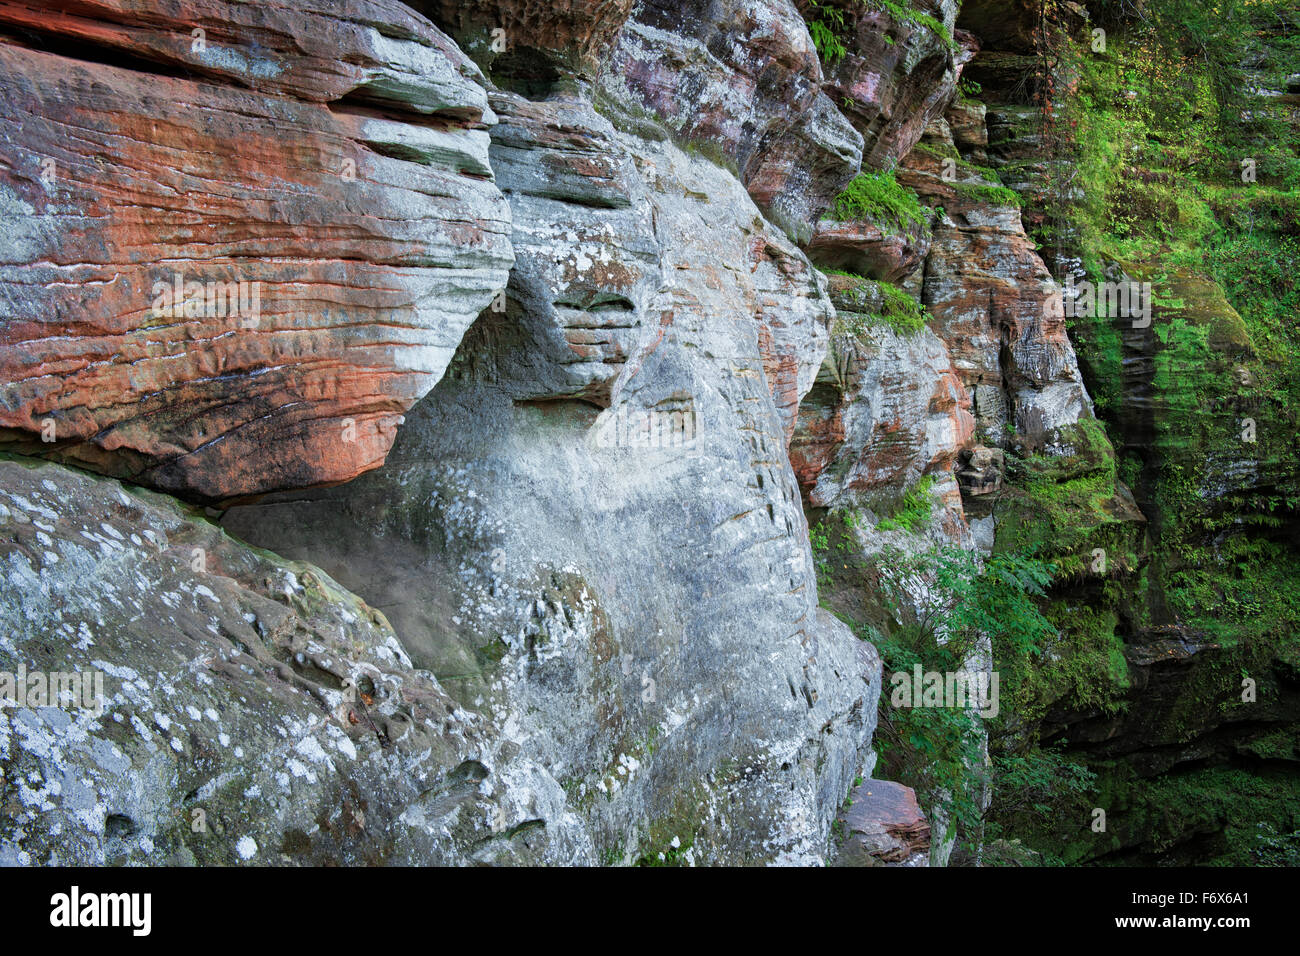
<point>360,248</point>
<point>533,349</point>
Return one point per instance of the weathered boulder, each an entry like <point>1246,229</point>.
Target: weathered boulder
<point>883,825</point>
<point>245,294</point>
<point>250,711</point>
<point>982,471</point>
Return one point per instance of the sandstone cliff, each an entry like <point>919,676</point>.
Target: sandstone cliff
<point>503,434</point>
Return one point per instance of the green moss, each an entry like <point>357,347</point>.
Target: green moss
<point>900,311</point>
<point>870,303</point>
<point>710,150</point>
<point>993,195</point>
<point>915,510</point>
<point>831,28</point>
<point>629,118</point>
<point>877,196</point>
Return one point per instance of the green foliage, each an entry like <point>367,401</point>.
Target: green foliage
<point>917,506</point>
<point>936,749</point>
<point>829,46</point>
<point>969,598</point>
<point>901,312</point>
<point>1038,786</point>
<point>875,195</point>
<point>1220,816</point>
<point>833,545</point>
<point>827,29</point>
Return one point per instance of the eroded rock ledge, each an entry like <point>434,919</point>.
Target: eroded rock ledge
<point>233,229</point>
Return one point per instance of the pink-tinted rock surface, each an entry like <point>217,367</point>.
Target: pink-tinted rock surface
<point>883,826</point>
<point>744,79</point>
<point>345,201</point>
<point>896,75</point>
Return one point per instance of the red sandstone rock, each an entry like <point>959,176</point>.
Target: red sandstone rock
<point>379,51</point>
<point>884,826</point>
<point>366,242</point>
<point>868,249</point>
<point>967,120</point>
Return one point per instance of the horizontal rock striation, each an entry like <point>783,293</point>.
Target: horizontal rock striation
<point>235,257</point>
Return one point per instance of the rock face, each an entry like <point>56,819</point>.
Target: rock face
<point>586,256</point>
<point>251,711</point>
<point>888,408</point>
<point>896,435</point>
<point>568,612</point>
<point>591,531</point>
<point>995,362</point>
<point>745,79</point>
<point>996,304</point>
<point>246,294</point>
<point>898,73</point>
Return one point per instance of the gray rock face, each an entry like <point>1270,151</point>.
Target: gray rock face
<point>591,532</point>
<point>251,712</point>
